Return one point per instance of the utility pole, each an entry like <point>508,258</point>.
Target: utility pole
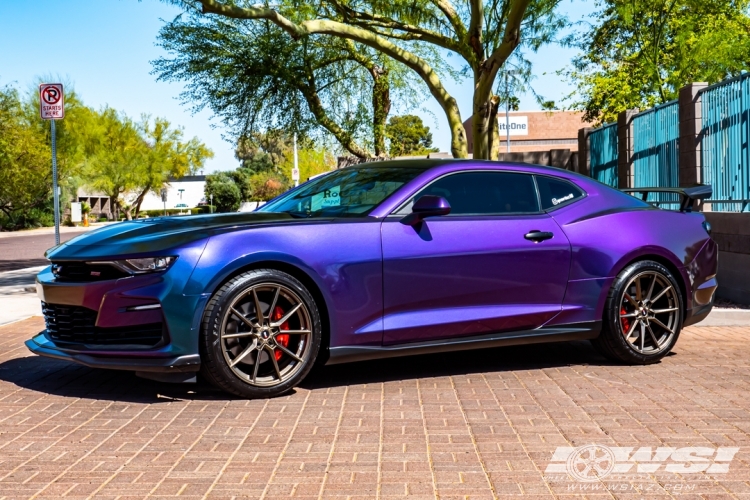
<point>295,171</point>
<point>507,115</point>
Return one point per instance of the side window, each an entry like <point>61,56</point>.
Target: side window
<point>554,192</point>
<point>475,193</point>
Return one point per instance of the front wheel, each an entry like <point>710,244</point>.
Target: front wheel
<point>261,334</point>
<point>643,315</point>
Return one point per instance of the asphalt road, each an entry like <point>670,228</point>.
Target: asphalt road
<point>19,252</point>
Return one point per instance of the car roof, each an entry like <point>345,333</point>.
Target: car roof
<point>432,163</point>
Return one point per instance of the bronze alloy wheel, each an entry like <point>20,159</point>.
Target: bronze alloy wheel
<point>261,334</point>
<point>643,315</point>
<point>265,334</point>
<point>648,312</point>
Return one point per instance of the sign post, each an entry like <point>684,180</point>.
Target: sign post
<point>52,107</point>
<point>164,199</point>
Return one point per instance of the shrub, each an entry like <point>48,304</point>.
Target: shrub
<point>226,194</point>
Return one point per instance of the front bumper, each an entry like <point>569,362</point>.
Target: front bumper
<point>104,323</point>
<point>133,361</point>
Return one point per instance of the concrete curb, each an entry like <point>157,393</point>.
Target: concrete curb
<point>727,317</point>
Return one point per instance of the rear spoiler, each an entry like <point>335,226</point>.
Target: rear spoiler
<point>688,195</point>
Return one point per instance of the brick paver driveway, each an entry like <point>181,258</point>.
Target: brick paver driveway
<point>465,425</point>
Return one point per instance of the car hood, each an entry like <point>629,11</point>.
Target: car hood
<point>146,236</point>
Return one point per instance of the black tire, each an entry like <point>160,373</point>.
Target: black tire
<point>254,340</point>
<point>653,326</point>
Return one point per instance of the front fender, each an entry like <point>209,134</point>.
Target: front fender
<point>343,259</point>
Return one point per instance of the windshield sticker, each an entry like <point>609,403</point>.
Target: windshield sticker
<point>328,198</point>
<point>557,201</point>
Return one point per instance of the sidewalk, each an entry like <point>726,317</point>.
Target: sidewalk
<point>18,299</point>
<point>51,230</point>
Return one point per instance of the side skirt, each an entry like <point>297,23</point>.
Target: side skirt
<point>559,333</point>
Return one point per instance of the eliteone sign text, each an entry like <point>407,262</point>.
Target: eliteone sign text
<point>518,125</point>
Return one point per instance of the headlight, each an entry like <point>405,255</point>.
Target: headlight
<point>142,266</point>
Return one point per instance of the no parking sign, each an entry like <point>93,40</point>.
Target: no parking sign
<point>51,101</point>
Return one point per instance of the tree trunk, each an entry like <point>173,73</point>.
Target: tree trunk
<point>381,106</point>
<point>139,200</point>
<point>494,134</point>
<point>482,119</point>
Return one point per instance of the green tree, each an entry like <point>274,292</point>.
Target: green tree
<point>640,52</point>
<point>226,194</point>
<point>484,34</point>
<point>256,77</point>
<point>25,164</point>
<point>407,135</point>
<point>164,155</point>
<point>118,153</point>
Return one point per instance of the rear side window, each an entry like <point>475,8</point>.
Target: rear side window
<point>555,192</point>
<point>485,193</point>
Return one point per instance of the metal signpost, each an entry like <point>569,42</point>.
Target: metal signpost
<point>211,204</point>
<point>164,199</point>
<point>52,107</point>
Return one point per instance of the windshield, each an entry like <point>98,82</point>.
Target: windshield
<point>349,192</point>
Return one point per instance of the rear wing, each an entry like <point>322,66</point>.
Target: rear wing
<point>688,195</point>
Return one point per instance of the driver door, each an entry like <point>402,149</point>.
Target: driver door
<point>474,271</point>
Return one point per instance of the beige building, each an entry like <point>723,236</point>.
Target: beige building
<point>537,130</point>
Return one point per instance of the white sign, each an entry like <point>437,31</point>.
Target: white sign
<point>295,174</point>
<point>75,212</point>
<point>519,125</point>
<point>51,101</point>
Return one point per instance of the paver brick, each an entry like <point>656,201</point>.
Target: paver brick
<point>463,425</point>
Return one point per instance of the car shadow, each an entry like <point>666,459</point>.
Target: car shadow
<point>62,378</point>
<point>499,359</point>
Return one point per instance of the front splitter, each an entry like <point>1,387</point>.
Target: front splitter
<point>187,363</point>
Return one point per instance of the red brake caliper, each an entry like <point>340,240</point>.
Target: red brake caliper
<point>625,321</point>
<point>281,338</point>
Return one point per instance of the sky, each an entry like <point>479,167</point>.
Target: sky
<point>104,48</point>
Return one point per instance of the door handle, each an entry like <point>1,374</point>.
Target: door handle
<point>536,236</point>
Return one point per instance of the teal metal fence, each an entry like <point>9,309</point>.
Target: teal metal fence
<point>725,155</point>
<point>603,154</point>
<point>656,150</point>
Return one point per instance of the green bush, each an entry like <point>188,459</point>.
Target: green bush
<point>226,194</point>
<point>35,217</point>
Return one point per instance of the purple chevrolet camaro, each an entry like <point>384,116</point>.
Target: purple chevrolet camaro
<point>386,259</point>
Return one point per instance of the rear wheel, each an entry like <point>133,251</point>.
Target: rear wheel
<point>261,334</point>
<point>643,315</point>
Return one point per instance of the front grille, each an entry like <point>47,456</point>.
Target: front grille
<point>85,272</point>
<point>76,325</point>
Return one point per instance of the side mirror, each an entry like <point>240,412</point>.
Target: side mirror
<point>426,206</point>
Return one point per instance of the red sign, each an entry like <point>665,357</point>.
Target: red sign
<point>51,101</point>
